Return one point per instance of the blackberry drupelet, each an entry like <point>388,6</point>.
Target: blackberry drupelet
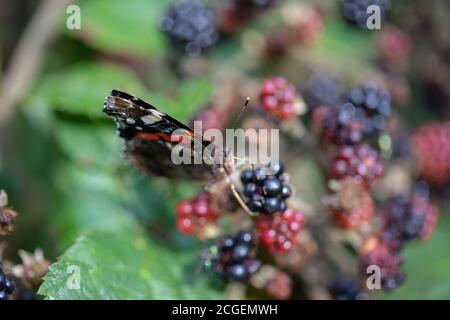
<point>322,89</point>
<point>355,11</point>
<point>190,27</point>
<point>265,189</point>
<point>6,285</point>
<point>373,107</point>
<point>234,258</point>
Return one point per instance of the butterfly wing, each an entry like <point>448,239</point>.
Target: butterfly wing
<point>148,134</point>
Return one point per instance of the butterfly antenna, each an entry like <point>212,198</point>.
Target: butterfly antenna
<point>247,100</point>
<point>239,199</point>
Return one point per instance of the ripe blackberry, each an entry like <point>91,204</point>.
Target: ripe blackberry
<point>265,189</point>
<point>322,89</point>
<point>408,217</point>
<point>355,11</point>
<point>279,98</point>
<point>338,125</point>
<point>360,162</point>
<point>345,288</point>
<point>6,285</point>
<point>278,232</point>
<point>233,257</point>
<point>354,205</point>
<point>373,106</point>
<point>431,148</point>
<point>193,214</point>
<point>378,253</point>
<point>190,27</point>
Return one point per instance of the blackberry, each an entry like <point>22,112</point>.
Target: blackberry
<point>354,205</point>
<point>194,214</point>
<point>338,125</point>
<point>373,107</point>
<point>190,27</point>
<point>345,288</point>
<point>360,162</point>
<point>355,11</point>
<point>280,286</point>
<point>278,232</point>
<point>279,98</point>
<point>265,189</point>
<point>408,217</point>
<point>432,152</point>
<point>234,257</point>
<point>378,253</point>
<point>7,286</point>
<point>322,89</point>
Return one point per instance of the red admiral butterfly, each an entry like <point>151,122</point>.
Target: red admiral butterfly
<point>150,136</point>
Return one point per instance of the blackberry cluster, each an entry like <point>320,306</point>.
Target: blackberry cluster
<point>235,257</point>
<point>355,11</point>
<point>431,149</point>
<point>265,189</point>
<point>190,27</point>
<point>380,254</point>
<point>361,162</point>
<point>345,288</point>
<point>373,106</point>
<point>6,285</point>
<point>322,90</point>
<point>408,217</point>
<point>195,213</point>
<point>279,98</point>
<point>278,232</point>
<point>338,125</point>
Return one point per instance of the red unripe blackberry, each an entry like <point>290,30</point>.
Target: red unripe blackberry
<point>279,98</point>
<point>354,206</point>
<point>361,162</point>
<point>378,253</point>
<point>393,44</point>
<point>431,147</point>
<point>280,286</point>
<point>193,214</point>
<point>278,232</point>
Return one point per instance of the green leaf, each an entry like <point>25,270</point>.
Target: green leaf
<point>124,265</point>
<point>123,27</point>
<point>81,89</point>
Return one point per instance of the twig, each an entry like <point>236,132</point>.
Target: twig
<point>29,54</point>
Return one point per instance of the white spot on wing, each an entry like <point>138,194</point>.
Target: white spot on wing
<point>130,121</point>
<point>151,118</point>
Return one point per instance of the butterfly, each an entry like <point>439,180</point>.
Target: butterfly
<point>150,138</point>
